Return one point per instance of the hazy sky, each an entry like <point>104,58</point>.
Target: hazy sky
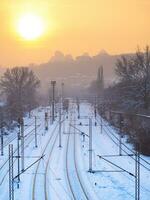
<point>73,26</point>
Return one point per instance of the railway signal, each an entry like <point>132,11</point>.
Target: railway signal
<point>46,121</point>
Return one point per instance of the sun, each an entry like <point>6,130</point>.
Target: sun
<point>30,26</point>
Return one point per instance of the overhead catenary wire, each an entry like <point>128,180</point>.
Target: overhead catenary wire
<point>122,148</point>
<point>125,152</point>
<point>116,165</point>
<point>3,178</point>
<point>128,147</point>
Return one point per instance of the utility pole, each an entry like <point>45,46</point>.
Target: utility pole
<point>35,132</point>
<point>53,83</point>
<point>95,105</point>
<point>62,106</point>
<point>2,140</point>
<point>50,112</point>
<point>22,144</point>
<point>18,153</point>
<point>2,123</point>
<point>62,92</point>
<point>137,173</point>
<point>11,173</point>
<point>120,136</point>
<point>78,107</point>
<point>50,115</point>
<point>95,110</point>
<point>60,125</point>
<point>90,145</point>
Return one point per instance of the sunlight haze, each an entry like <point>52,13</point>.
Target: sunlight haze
<point>73,27</point>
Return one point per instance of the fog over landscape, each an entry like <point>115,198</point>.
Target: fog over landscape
<point>77,73</point>
<point>74,100</point>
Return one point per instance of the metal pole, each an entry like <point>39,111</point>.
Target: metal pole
<point>2,142</point>
<point>11,183</point>
<point>60,125</point>
<point>120,146</point>
<point>62,105</point>
<point>95,113</point>
<point>63,122</point>
<point>50,114</point>
<point>2,132</point>
<point>137,174</point>
<point>18,155</point>
<point>53,105</point>
<point>78,110</point>
<point>120,137</point>
<point>78,107</point>
<point>36,132</point>
<point>53,83</point>
<point>22,145</point>
<point>90,145</point>
<point>101,120</point>
<point>50,102</point>
<point>62,92</point>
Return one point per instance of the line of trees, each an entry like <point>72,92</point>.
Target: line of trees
<point>19,87</point>
<point>131,94</point>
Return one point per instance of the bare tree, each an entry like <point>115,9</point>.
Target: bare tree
<point>131,94</point>
<point>19,84</point>
<point>142,62</point>
<point>134,78</point>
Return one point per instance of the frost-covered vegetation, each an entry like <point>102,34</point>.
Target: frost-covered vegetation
<point>18,87</point>
<point>130,94</point>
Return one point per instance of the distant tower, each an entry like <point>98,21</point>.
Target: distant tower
<point>99,75</point>
<point>100,80</point>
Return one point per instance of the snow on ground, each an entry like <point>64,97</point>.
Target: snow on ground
<point>63,171</point>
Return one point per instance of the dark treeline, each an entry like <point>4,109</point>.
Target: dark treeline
<point>18,87</point>
<point>132,91</point>
<point>130,95</point>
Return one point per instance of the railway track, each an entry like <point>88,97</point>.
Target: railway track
<point>46,168</point>
<point>28,136</point>
<point>80,191</point>
<point>14,136</point>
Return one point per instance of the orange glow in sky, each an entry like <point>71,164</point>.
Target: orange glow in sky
<point>71,26</point>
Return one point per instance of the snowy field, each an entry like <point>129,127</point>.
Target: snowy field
<point>63,172</point>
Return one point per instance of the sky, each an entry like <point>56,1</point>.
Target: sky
<point>73,27</point>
